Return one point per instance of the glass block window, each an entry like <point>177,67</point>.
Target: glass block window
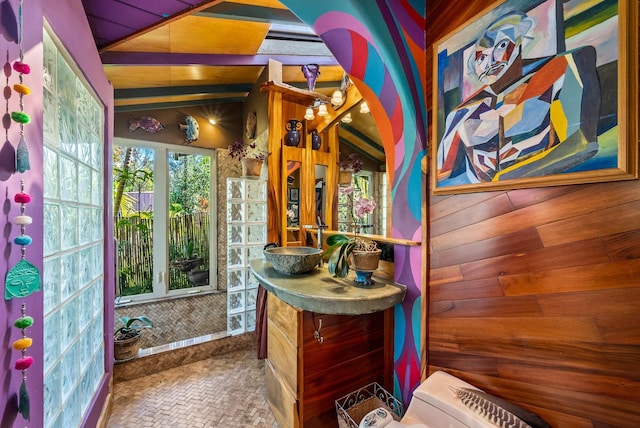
<point>73,241</point>
<point>246,237</point>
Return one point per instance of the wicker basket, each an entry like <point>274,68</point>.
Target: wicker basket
<point>353,407</point>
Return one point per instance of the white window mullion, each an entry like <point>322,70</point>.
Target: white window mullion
<point>160,224</point>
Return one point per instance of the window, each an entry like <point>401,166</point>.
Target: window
<point>362,188</point>
<point>73,240</point>
<point>164,218</point>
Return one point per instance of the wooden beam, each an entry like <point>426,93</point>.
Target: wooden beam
<point>178,104</point>
<point>165,59</point>
<point>164,91</point>
<point>244,12</point>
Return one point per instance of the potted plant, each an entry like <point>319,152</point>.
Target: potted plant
<point>189,260</point>
<point>126,339</point>
<point>250,155</point>
<point>350,165</point>
<point>361,255</point>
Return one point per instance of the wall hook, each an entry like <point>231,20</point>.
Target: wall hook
<point>316,333</point>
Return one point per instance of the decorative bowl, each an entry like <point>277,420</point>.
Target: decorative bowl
<point>293,260</point>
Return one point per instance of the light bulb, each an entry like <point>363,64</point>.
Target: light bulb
<point>336,98</point>
<point>322,110</point>
<point>309,114</point>
<point>212,121</point>
<point>346,118</point>
<point>364,108</point>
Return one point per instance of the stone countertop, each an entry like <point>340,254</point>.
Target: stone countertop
<point>322,293</point>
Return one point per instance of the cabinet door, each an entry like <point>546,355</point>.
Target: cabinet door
<point>349,356</point>
<point>283,404</point>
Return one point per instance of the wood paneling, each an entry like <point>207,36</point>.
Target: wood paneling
<point>534,294</point>
<point>305,376</point>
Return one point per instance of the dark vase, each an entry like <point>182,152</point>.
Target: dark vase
<point>292,138</point>
<point>315,140</point>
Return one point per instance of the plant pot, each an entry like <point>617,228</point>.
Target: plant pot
<point>344,178</point>
<point>365,260</point>
<point>364,263</point>
<point>251,167</point>
<point>186,265</point>
<point>126,349</point>
<point>199,277</point>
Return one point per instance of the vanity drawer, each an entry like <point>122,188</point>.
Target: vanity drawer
<point>283,356</point>
<point>286,318</point>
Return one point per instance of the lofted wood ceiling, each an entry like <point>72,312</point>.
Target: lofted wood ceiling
<point>178,53</point>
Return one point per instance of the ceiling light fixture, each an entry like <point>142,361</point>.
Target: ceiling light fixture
<point>308,115</point>
<point>336,98</point>
<point>322,110</point>
<point>339,96</point>
<point>364,108</point>
<point>346,118</point>
<point>212,121</point>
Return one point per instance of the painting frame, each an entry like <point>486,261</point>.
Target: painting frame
<point>294,194</point>
<point>475,147</point>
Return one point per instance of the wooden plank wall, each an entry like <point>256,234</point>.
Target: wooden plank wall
<point>534,295</point>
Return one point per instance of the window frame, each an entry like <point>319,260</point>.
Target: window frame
<point>160,223</point>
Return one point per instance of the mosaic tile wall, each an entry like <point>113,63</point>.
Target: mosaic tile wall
<point>195,315</point>
<point>180,318</point>
<point>227,167</point>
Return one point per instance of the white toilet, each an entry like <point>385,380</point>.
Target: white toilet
<point>434,405</point>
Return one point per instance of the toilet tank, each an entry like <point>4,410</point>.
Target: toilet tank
<point>435,405</point>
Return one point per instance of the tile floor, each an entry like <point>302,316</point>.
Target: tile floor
<point>226,390</point>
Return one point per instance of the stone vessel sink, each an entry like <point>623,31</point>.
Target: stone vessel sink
<point>293,260</point>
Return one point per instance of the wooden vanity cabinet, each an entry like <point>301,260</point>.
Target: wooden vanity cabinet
<point>305,374</point>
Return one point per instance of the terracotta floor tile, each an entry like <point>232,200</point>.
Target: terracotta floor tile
<point>223,391</point>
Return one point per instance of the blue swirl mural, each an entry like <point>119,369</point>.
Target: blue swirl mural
<point>381,45</point>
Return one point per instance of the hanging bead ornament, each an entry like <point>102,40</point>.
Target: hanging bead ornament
<point>24,362</point>
<point>24,278</point>
<point>22,152</point>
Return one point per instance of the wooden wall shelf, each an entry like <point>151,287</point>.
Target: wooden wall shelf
<point>377,238</point>
<point>293,94</point>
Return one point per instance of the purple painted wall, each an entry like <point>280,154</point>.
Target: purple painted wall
<point>68,21</point>
<point>9,186</point>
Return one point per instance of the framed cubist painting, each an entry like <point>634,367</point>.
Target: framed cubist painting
<point>537,93</point>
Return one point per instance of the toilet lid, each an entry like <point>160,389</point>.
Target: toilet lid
<point>436,392</point>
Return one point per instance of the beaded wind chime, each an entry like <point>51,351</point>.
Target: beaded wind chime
<point>23,278</point>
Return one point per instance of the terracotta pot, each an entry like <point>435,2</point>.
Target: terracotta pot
<point>365,260</point>
<point>126,349</point>
<point>344,178</point>
<point>251,167</point>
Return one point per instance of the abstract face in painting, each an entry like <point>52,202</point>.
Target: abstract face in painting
<point>498,47</point>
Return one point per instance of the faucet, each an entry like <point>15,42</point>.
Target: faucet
<point>319,227</point>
